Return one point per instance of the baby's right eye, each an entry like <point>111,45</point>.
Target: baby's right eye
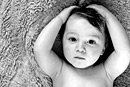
<point>72,39</point>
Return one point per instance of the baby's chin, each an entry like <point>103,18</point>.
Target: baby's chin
<point>82,66</point>
<point>81,63</point>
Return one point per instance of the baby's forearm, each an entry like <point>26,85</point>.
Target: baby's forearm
<point>118,34</point>
<point>47,37</point>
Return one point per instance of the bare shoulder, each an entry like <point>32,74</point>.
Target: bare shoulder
<point>116,64</point>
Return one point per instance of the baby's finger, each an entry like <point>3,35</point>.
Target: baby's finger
<point>102,10</point>
<point>65,13</point>
<point>95,6</point>
<point>69,8</point>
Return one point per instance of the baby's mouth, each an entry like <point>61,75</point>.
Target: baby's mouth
<point>79,58</point>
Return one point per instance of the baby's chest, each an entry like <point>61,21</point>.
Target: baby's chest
<point>92,77</point>
<point>75,81</point>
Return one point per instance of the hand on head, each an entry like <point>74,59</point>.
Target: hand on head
<point>65,13</point>
<point>101,9</point>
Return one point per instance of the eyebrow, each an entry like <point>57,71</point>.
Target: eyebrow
<point>71,33</point>
<point>96,36</point>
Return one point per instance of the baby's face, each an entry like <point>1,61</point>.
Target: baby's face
<point>82,43</point>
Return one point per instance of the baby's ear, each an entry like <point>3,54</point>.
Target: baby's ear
<point>103,51</point>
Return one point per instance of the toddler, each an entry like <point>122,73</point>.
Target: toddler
<point>84,40</point>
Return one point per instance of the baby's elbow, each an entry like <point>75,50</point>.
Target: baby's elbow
<point>40,50</point>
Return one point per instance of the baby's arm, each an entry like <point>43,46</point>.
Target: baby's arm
<point>44,55</point>
<point>119,60</point>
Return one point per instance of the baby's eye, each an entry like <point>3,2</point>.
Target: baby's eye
<point>72,39</point>
<point>91,42</point>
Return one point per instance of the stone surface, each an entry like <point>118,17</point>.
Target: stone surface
<point>21,21</point>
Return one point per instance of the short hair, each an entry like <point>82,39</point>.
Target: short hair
<point>93,17</point>
<point>98,21</point>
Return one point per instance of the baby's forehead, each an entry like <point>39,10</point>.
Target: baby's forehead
<point>76,17</point>
<point>80,22</point>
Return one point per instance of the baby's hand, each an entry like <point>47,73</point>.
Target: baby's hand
<point>65,13</point>
<point>102,10</point>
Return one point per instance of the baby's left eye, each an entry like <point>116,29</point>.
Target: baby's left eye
<point>92,42</point>
<point>72,39</point>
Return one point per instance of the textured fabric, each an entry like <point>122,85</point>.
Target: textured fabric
<point>21,21</point>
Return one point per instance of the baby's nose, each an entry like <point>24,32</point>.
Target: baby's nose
<point>81,48</point>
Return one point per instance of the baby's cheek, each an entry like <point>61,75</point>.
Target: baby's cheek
<point>67,49</point>
<point>96,52</point>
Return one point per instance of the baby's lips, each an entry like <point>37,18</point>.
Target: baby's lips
<point>77,57</point>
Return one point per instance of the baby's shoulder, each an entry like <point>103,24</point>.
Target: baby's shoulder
<point>100,71</point>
